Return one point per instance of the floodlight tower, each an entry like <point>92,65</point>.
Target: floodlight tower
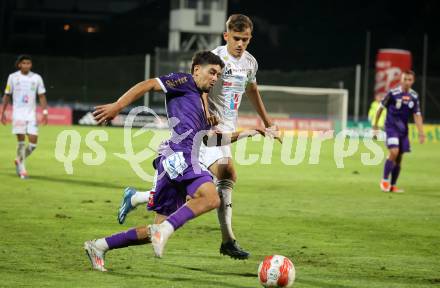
<point>196,24</point>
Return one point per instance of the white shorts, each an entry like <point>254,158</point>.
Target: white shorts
<point>24,127</point>
<point>209,155</point>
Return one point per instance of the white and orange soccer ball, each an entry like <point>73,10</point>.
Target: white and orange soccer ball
<point>276,271</point>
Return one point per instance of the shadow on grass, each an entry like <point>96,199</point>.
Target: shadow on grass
<point>198,282</point>
<point>74,181</point>
<point>321,284</point>
<point>212,272</point>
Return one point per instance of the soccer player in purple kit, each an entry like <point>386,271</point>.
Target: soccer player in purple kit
<point>180,176</point>
<point>400,102</point>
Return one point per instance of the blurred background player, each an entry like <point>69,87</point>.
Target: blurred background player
<point>400,103</point>
<point>24,85</point>
<point>178,177</point>
<point>238,78</point>
<point>373,110</point>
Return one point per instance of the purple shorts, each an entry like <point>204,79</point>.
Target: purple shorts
<point>396,140</point>
<point>170,191</point>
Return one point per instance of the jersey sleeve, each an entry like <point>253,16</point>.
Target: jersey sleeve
<point>253,75</point>
<point>174,83</point>
<point>416,106</point>
<point>40,88</point>
<point>386,101</point>
<point>9,86</point>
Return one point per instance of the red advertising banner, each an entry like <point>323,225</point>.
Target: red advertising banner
<point>287,124</point>
<point>57,115</point>
<point>389,66</point>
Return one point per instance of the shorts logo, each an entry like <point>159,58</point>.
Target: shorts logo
<point>174,165</point>
<point>393,141</point>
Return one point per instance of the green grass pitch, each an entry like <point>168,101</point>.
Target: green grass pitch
<point>335,224</point>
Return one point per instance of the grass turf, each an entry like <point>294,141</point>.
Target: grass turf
<point>335,224</point>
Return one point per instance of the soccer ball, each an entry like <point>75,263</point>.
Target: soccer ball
<point>276,271</point>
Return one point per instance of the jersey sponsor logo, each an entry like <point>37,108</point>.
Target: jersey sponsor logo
<point>406,98</point>
<point>235,100</point>
<point>227,84</point>
<point>177,82</point>
<point>227,72</point>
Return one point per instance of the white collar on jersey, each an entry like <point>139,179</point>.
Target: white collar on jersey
<point>232,57</point>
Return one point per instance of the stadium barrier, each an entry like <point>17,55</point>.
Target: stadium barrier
<point>57,115</point>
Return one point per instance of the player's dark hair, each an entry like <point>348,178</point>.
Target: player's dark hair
<point>239,23</point>
<point>409,72</point>
<point>206,58</point>
<point>22,57</point>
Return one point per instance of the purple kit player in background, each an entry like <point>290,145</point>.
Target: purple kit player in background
<point>400,102</point>
<point>180,176</point>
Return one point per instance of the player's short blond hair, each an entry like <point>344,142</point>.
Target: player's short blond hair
<point>239,23</point>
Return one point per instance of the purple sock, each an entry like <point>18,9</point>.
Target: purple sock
<point>123,239</point>
<point>180,217</point>
<point>389,165</point>
<point>395,174</point>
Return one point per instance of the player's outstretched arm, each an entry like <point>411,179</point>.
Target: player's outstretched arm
<point>107,112</point>
<point>418,119</point>
<point>5,102</point>
<point>216,138</point>
<point>254,96</point>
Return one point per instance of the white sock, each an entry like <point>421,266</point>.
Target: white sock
<point>140,198</point>
<point>29,149</point>
<point>21,150</point>
<point>101,244</point>
<point>166,228</point>
<point>224,212</point>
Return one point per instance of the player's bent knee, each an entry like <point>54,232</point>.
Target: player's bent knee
<point>211,197</point>
<point>227,172</point>
<point>214,202</point>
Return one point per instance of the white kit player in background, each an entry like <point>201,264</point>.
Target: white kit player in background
<point>238,78</point>
<point>24,85</point>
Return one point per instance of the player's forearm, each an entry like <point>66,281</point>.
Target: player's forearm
<point>418,119</point>
<point>5,102</point>
<point>226,138</point>
<point>43,101</point>
<point>257,103</point>
<point>376,119</point>
<point>136,92</point>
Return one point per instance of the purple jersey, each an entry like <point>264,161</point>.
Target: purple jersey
<point>400,105</point>
<point>184,107</point>
<point>178,169</point>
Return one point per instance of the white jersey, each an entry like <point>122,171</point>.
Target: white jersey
<point>225,97</point>
<point>24,90</point>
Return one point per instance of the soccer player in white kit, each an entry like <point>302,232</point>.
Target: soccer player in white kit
<point>24,85</point>
<point>238,78</point>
